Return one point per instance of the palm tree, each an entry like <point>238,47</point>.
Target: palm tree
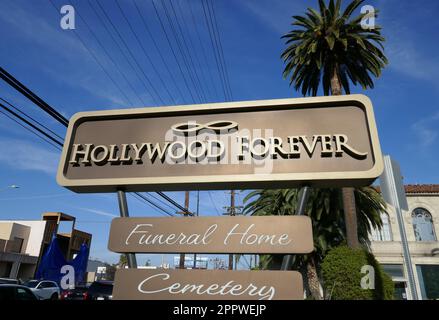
<point>325,209</point>
<point>332,49</point>
<point>123,261</point>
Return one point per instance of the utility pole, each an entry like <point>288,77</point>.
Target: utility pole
<point>186,205</point>
<point>232,213</point>
<point>232,210</point>
<point>196,213</point>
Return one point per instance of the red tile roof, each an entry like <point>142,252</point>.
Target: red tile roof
<point>421,188</point>
<point>418,188</point>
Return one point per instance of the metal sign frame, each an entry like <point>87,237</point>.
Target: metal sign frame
<point>205,182</point>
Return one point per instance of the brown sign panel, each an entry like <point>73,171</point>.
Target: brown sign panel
<point>323,141</point>
<point>165,284</point>
<point>273,234</point>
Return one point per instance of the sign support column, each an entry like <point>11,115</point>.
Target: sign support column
<point>123,208</point>
<point>301,206</point>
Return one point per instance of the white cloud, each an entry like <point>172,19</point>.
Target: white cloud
<point>275,14</point>
<point>427,130</point>
<point>22,155</point>
<point>99,212</point>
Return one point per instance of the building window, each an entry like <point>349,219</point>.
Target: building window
<point>428,276</point>
<point>423,225</point>
<point>385,233</point>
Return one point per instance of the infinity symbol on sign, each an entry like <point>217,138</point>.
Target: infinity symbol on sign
<point>194,127</point>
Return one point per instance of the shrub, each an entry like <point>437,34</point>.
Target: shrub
<point>341,271</point>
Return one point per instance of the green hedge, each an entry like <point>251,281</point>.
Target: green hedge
<point>341,271</point>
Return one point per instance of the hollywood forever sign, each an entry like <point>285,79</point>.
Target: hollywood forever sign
<point>327,141</point>
<point>276,143</point>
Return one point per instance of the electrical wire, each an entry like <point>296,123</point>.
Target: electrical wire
<point>132,55</point>
<point>221,51</point>
<point>185,44</point>
<point>214,204</point>
<point>145,52</point>
<point>31,118</point>
<point>109,56</point>
<point>203,49</point>
<point>181,51</point>
<point>215,51</point>
<point>23,126</point>
<point>173,51</point>
<point>127,59</point>
<point>95,57</point>
<point>17,85</point>
<point>160,53</point>
<point>139,195</point>
<point>16,115</point>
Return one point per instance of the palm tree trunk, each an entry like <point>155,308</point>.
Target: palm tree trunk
<point>349,207</point>
<point>313,279</point>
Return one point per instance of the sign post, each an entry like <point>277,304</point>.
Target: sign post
<point>123,208</point>
<point>303,196</point>
<point>393,192</point>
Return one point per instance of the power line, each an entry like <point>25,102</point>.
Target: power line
<point>214,204</point>
<point>30,118</point>
<point>17,85</point>
<point>161,201</point>
<point>131,54</point>
<point>139,195</point>
<point>173,51</point>
<point>221,51</point>
<point>16,115</point>
<point>203,49</point>
<point>46,107</point>
<point>188,51</point>
<point>97,60</point>
<point>163,195</point>
<point>205,79</point>
<point>109,56</point>
<point>127,59</point>
<point>33,132</point>
<point>218,45</point>
<point>181,50</point>
<point>144,52</point>
<point>157,48</point>
<point>212,42</point>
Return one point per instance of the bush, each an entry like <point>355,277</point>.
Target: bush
<point>341,271</point>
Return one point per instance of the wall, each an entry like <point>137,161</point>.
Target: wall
<point>390,252</point>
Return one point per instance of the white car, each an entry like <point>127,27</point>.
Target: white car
<point>44,289</point>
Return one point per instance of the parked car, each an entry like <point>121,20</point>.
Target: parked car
<point>44,289</point>
<point>10,292</point>
<point>9,281</point>
<point>100,290</point>
<point>78,293</point>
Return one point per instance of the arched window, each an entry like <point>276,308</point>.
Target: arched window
<point>385,233</point>
<point>423,225</point>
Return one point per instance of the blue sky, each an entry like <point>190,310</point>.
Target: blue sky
<point>54,64</point>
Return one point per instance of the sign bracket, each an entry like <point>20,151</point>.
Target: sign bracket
<point>303,196</point>
<point>123,208</point>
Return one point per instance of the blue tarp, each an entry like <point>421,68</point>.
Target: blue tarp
<point>53,260</point>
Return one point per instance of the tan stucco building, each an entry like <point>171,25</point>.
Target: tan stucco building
<point>421,223</point>
<point>22,243</point>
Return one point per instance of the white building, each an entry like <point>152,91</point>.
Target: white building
<point>421,223</point>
